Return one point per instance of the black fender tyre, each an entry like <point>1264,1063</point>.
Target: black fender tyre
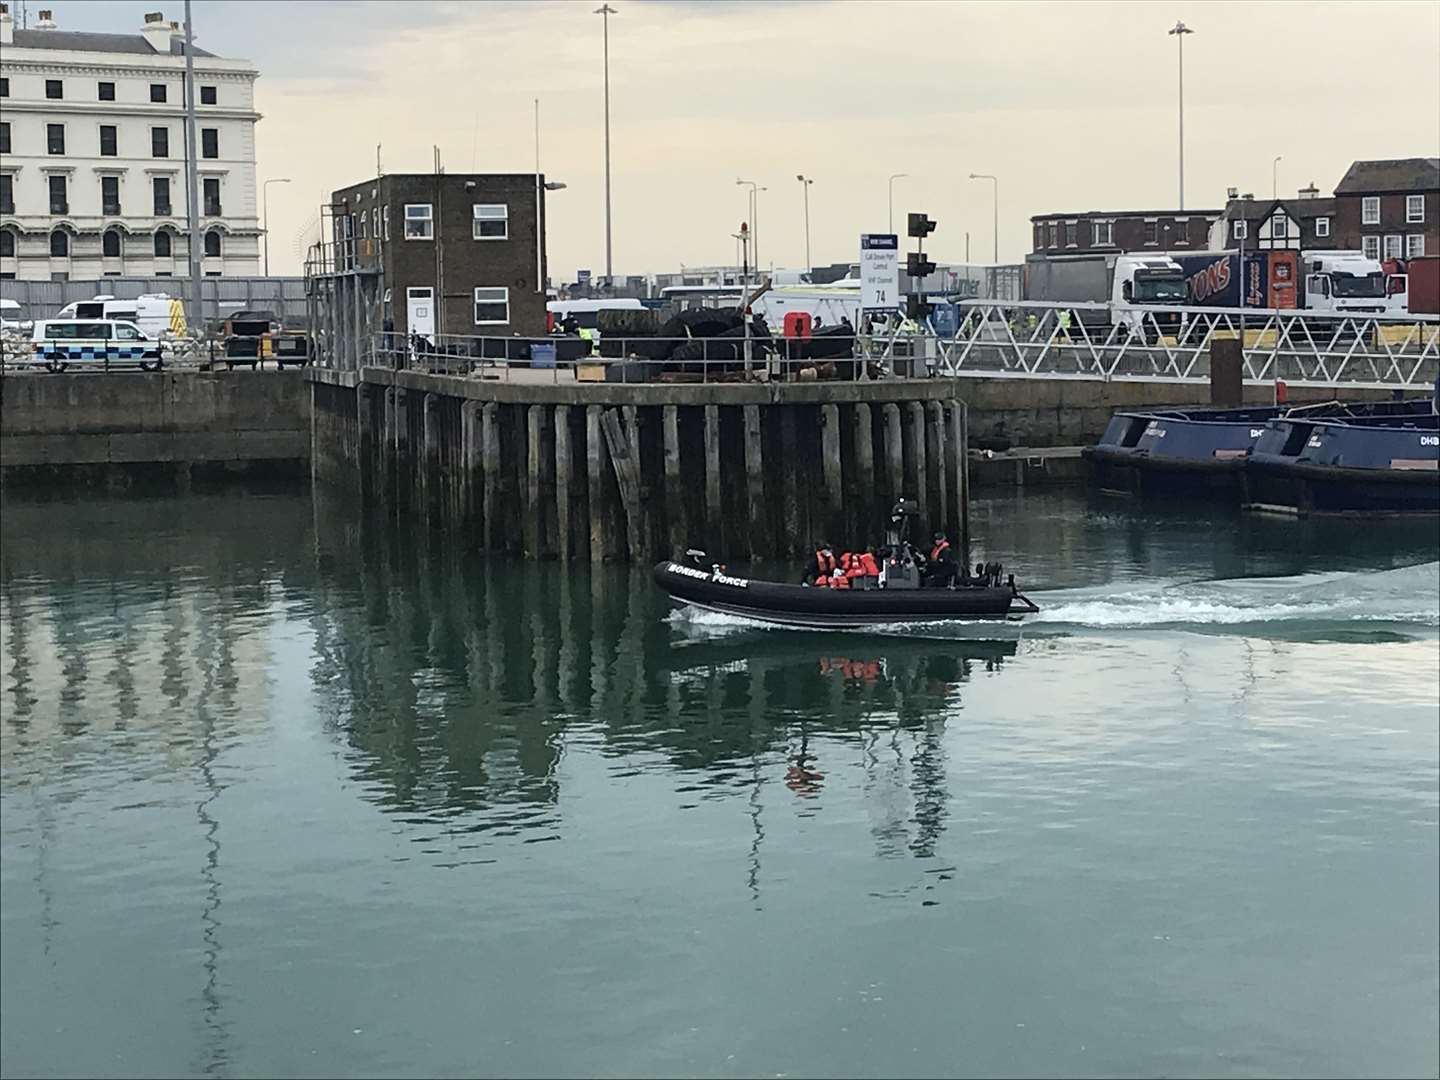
<point>55,365</point>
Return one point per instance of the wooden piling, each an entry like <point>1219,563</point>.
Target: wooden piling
<point>644,490</point>
<point>596,461</point>
<point>864,487</point>
<point>627,478</point>
<point>564,464</point>
<point>533,527</point>
<point>470,467</point>
<point>935,459</point>
<point>490,463</point>
<point>916,436</point>
<point>894,451</point>
<point>755,481</point>
<point>679,533</point>
<point>714,524</point>
<point>365,457</point>
<point>834,516</point>
<point>791,538</point>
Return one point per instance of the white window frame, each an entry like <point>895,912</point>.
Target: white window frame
<point>1072,233</point>
<point>1414,245</point>
<point>1281,221</point>
<point>1370,247</point>
<point>427,219</point>
<point>385,223</point>
<point>1102,233</point>
<point>477,301</point>
<point>1370,210</point>
<point>1322,227</point>
<point>1414,208</point>
<point>1238,229</point>
<point>487,212</point>
<point>1394,246</point>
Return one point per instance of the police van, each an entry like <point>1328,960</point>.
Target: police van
<point>93,343</point>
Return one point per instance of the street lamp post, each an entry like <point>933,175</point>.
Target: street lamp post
<point>890,185</point>
<point>605,11</point>
<point>1274,178</point>
<point>265,209</point>
<point>805,183</point>
<point>994,211</point>
<point>1178,32</point>
<point>755,189</point>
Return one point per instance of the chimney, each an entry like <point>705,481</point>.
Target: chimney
<point>7,26</point>
<point>157,31</point>
<point>46,20</point>
<point>1310,192</point>
<point>1232,193</point>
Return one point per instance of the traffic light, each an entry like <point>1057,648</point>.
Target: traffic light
<point>916,308</point>
<point>918,266</point>
<point>920,225</point>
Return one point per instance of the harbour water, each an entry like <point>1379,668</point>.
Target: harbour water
<point>284,792</point>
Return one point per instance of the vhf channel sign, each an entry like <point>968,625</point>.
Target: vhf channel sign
<point>879,271</point>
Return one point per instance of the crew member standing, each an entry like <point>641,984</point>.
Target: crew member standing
<point>940,568</point>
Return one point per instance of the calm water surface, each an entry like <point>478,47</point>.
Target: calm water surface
<point>285,793</point>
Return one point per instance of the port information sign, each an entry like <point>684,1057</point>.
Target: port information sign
<point>879,270</point>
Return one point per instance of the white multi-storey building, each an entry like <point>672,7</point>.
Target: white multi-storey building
<point>92,154</point>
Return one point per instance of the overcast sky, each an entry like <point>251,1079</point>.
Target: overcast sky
<point>1071,105</point>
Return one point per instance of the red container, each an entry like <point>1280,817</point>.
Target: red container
<point>1424,285</point>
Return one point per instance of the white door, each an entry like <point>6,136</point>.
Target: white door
<point>420,312</point>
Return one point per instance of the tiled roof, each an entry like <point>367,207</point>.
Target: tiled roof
<point>82,41</point>
<point>1394,175</point>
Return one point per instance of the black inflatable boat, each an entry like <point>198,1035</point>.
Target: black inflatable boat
<point>801,605</point>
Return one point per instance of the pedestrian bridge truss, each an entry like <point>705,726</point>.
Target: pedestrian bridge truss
<point>1091,341</point>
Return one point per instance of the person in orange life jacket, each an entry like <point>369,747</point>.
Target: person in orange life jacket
<point>838,579</point>
<point>821,567</point>
<point>940,568</point>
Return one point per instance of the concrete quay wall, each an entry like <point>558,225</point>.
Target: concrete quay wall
<point>54,426</point>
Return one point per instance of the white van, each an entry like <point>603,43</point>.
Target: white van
<point>587,312</point>
<point>93,343</point>
<point>154,313</point>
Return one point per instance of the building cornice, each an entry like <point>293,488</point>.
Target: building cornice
<point>124,110</point>
<point>88,65</point>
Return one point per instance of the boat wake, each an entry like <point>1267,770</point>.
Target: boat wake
<point>1401,603</point>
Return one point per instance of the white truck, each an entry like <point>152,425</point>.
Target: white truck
<point>156,314</point>
<point>1343,283</point>
<point>1131,285</point>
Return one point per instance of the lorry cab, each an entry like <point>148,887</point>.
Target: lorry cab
<point>1344,282</point>
<point>1142,281</point>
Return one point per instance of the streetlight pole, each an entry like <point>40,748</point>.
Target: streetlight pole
<point>805,183</point>
<point>891,201</point>
<point>995,209</point>
<point>605,11</point>
<point>265,209</point>
<point>1178,32</point>
<point>1274,178</point>
<point>755,189</point>
<point>192,169</point>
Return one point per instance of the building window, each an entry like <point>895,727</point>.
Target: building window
<point>55,138</point>
<point>161,187</point>
<point>212,244</point>
<point>375,221</point>
<point>108,141</point>
<point>4,136</point>
<point>7,244</point>
<point>59,204</point>
<point>1394,246</point>
<point>364,225</point>
<point>59,244</point>
<point>1279,227</point>
<point>490,221</point>
<point>1039,237</point>
<point>54,89</point>
<point>1070,234</point>
<point>110,244</point>
<point>1102,233</point>
<point>1237,229</point>
<point>157,92</point>
<point>419,222</point>
<point>210,142</point>
<point>1414,208</point>
<point>1370,210</point>
<point>162,244</point>
<point>1322,227</point>
<point>1152,232</point>
<point>4,87</point>
<point>1370,247</point>
<point>1414,245</point>
<point>212,196</point>
<point>492,306</point>
<point>1053,233</point>
<point>7,194</point>
<point>159,142</point>
<point>385,223</point>
<point>110,195</point>
<point>207,95</point>
<point>106,91</point>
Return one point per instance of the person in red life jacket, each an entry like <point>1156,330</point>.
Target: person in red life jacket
<point>821,567</point>
<point>868,566</point>
<point>940,568</point>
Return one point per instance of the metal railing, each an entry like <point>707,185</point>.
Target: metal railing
<point>1092,341</point>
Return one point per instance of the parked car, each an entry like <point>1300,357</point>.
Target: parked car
<point>93,343</point>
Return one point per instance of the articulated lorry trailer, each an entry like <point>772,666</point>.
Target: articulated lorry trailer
<point>1129,284</point>
<point>1343,283</point>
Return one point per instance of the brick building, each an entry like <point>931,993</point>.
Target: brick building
<point>1116,231</point>
<point>1390,209</point>
<point>474,241</point>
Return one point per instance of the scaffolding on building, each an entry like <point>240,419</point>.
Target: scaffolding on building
<point>344,293</point>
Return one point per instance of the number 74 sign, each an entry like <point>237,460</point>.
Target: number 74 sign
<point>879,270</point>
